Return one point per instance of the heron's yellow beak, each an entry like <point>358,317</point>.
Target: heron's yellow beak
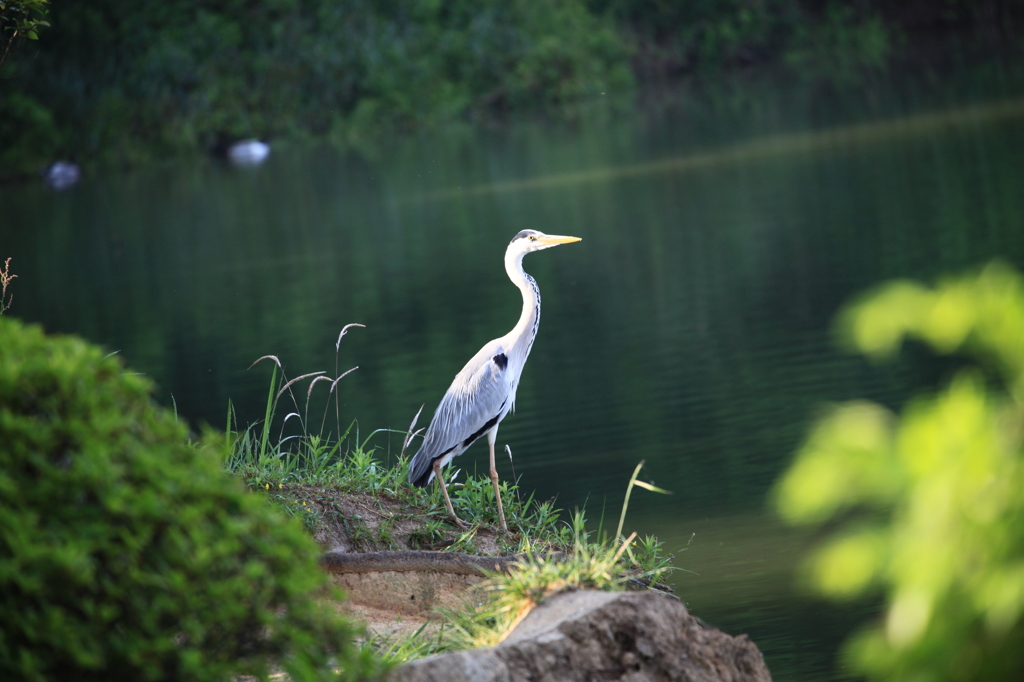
<point>554,239</point>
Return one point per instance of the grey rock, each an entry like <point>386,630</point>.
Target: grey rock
<point>590,636</point>
<point>482,665</point>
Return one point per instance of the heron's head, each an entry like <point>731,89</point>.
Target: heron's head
<point>532,240</point>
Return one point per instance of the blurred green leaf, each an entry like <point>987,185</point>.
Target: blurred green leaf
<point>944,483</point>
<point>850,564</point>
<point>845,461</point>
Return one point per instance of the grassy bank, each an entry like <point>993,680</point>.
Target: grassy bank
<point>305,460</point>
<point>109,83</point>
<point>367,507</point>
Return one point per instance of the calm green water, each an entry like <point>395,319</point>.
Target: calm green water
<point>722,231</point>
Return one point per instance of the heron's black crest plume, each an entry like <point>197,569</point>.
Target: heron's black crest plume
<point>525,234</point>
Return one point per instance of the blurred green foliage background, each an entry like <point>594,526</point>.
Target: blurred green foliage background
<point>927,506</point>
<point>120,81</point>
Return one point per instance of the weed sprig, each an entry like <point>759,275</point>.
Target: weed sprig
<point>5,278</point>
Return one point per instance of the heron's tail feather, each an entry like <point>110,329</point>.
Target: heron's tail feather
<point>421,469</point>
<point>423,480</point>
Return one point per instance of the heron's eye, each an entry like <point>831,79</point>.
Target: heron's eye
<point>532,238</point>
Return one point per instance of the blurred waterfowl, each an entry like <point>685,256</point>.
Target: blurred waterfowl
<point>61,175</point>
<point>484,392</point>
<point>251,152</point>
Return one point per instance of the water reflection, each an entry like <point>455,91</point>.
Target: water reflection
<point>832,140</point>
<point>739,577</point>
<point>689,328</point>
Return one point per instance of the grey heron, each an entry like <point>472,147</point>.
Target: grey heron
<point>484,392</point>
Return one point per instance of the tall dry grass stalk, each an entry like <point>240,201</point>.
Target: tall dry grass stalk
<point>5,279</point>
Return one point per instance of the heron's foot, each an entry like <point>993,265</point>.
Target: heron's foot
<point>459,522</point>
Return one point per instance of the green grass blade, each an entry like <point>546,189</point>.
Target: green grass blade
<point>265,437</point>
<point>629,491</point>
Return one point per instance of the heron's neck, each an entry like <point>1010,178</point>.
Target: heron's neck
<point>525,331</point>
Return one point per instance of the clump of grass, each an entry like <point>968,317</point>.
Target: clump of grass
<point>429,536</point>
<point>393,650</point>
<point>306,450</point>
<point>294,458</point>
<point>514,595</point>
<point>503,600</point>
<point>305,458</point>
<point>609,564</point>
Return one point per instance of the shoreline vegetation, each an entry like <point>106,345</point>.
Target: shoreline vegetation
<point>312,466</point>
<point>105,85</point>
<point>164,510</point>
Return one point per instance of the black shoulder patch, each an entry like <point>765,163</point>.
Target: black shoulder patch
<point>501,360</point>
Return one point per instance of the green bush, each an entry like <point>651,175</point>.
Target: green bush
<point>705,33</point>
<point>32,124</point>
<point>172,76</point>
<point>928,504</point>
<point>117,81</point>
<point>126,553</point>
<point>838,45</point>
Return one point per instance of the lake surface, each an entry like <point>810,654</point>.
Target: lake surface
<point>723,229</point>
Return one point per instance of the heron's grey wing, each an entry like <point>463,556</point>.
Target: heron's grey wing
<point>473,404</point>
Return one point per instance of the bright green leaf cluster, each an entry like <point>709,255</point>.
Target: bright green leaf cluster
<point>126,553</point>
<point>981,314</point>
<point>932,500</point>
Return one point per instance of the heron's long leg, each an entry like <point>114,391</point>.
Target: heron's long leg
<point>444,490</point>
<point>491,437</point>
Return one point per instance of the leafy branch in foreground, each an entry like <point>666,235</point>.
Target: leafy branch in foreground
<point>20,19</point>
<point>926,504</point>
